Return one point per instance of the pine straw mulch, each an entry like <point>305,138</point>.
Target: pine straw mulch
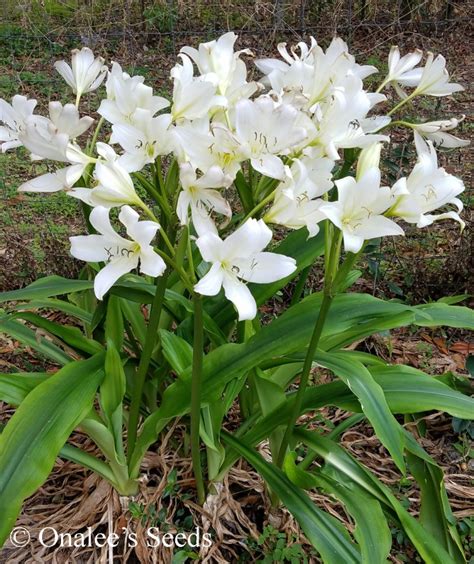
<point>73,500</point>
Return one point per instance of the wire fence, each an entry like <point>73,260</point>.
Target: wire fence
<point>143,21</point>
<point>145,36</point>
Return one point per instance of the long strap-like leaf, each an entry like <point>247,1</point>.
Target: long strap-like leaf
<point>324,532</point>
<point>39,428</point>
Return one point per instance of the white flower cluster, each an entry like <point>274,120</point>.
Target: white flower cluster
<point>284,134</point>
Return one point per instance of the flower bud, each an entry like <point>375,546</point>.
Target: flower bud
<point>368,158</point>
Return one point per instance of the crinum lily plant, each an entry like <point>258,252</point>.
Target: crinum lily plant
<point>199,209</point>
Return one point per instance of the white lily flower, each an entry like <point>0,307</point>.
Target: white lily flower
<point>297,199</point>
<point>50,138</point>
<point>435,79</point>
<point>46,141</point>
<point>402,71</point>
<point>240,257</point>
<point>125,95</point>
<point>116,80</point>
<point>340,121</point>
<point>86,74</point>
<point>207,146</point>
<point>436,131</point>
<point>265,130</point>
<point>193,97</point>
<point>62,179</point>
<point>14,117</point>
<point>358,212</point>
<point>218,59</point>
<point>311,76</point>
<point>427,188</point>
<point>65,119</point>
<point>143,141</point>
<point>114,184</point>
<point>122,255</point>
<point>199,197</point>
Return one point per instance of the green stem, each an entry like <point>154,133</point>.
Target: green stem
<point>308,362</point>
<point>345,268</point>
<point>403,102</point>
<point>330,274</point>
<point>145,362</point>
<point>260,205</point>
<point>153,192</point>
<point>299,288</point>
<point>95,136</point>
<point>381,87</point>
<point>198,345</point>
<point>182,273</point>
<point>161,232</point>
<point>192,272</point>
<point>159,176</point>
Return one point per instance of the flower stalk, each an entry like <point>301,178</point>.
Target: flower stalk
<point>329,277</point>
<point>145,359</point>
<point>198,345</point>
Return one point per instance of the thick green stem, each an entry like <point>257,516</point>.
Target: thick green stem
<point>313,345</point>
<point>330,274</point>
<point>198,345</point>
<point>299,288</point>
<point>145,362</point>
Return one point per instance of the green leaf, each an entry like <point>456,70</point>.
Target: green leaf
<point>288,334</point>
<point>57,305</point>
<point>409,390</point>
<point>245,191</point>
<point>114,322</point>
<point>16,386</point>
<point>47,287</point>
<point>342,467</point>
<point>32,339</point>
<point>404,394</point>
<point>270,396</point>
<point>450,300</point>
<point>372,531</point>
<point>372,400</point>
<point>445,315</point>
<point>112,389</point>
<point>71,336</point>
<point>39,428</point>
<point>172,178</point>
<point>177,351</point>
<point>86,460</point>
<point>435,513</point>
<point>324,532</point>
<point>133,314</point>
<point>366,359</point>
